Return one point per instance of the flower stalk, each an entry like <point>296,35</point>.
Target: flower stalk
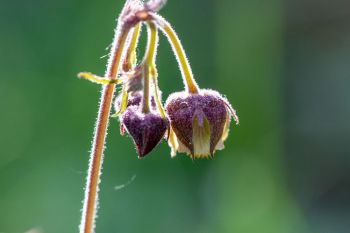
<point>96,156</point>
<point>149,64</point>
<point>130,59</point>
<point>190,84</point>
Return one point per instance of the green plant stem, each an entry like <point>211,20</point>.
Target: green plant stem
<point>148,64</point>
<point>96,157</point>
<point>153,71</point>
<point>130,58</point>
<point>185,68</point>
<point>145,97</point>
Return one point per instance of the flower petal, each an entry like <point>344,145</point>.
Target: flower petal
<point>200,135</point>
<point>173,143</point>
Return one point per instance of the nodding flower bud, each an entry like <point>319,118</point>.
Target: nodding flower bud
<point>200,122</point>
<point>146,129</point>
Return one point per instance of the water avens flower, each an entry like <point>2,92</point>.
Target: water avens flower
<point>200,122</point>
<point>195,121</point>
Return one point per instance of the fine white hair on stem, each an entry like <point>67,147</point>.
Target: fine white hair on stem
<point>96,154</point>
<point>98,145</point>
<point>184,65</point>
<point>153,53</point>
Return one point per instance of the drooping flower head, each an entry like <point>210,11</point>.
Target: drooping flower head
<point>200,122</point>
<point>146,129</point>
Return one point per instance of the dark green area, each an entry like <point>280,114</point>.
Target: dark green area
<point>284,66</point>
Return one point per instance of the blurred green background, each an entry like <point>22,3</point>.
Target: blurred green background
<point>284,65</point>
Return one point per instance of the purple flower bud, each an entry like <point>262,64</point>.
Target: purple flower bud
<point>200,122</point>
<point>146,129</point>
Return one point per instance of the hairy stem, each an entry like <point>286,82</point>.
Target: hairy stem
<point>96,157</point>
<point>145,97</point>
<point>186,71</point>
<point>153,70</point>
<point>148,63</point>
<point>130,58</point>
